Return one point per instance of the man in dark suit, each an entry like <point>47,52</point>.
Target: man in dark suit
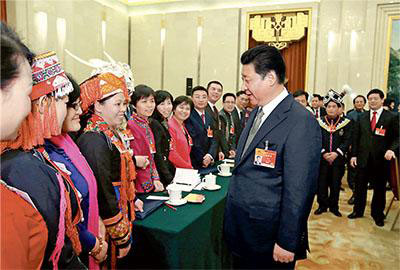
<point>265,222</point>
<point>375,141</point>
<point>240,114</point>
<point>353,114</point>
<point>215,90</point>
<point>199,126</point>
<point>228,126</point>
<point>318,111</point>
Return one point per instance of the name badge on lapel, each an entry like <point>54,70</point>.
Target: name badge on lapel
<point>209,132</point>
<point>265,158</point>
<point>232,130</point>
<point>380,131</point>
<point>152,147</point>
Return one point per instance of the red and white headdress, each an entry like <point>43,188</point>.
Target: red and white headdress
<point>49,77</point>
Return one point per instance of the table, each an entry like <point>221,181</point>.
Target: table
<point>188,238</point>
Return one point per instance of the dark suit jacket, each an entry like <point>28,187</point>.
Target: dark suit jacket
<point>165,168</point>
<point>267,206</point>
<point>238,124</point>
<point>228,139</point>
<point>322,111</point>
<point>341,139</point>
<point>216,126</point>
<point>366,144</point>
<point>202,144</point>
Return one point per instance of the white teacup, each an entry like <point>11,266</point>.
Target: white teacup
<point>224,168</point>
<point>210,180</point>
<point>175,193</point>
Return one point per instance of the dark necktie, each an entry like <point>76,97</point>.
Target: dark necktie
<point>215,111</point>
<point>203,117</point>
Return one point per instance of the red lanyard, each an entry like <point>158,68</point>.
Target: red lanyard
<point>332,128</point>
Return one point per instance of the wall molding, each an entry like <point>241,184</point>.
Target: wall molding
<point>384,12</point>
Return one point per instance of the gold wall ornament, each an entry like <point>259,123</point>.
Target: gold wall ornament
<point>279,29</point>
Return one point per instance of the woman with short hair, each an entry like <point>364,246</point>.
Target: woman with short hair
<point>179,154</point>
<point>143,144</point>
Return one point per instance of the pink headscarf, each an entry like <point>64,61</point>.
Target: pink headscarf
<point>65,142</point>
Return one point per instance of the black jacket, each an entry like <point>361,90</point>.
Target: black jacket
<point>228,139</point>
<point>238,123</point>
<point>367,144</point>
<point>165,168</point>
<point>341,137</point>
<point>29,172</point>
<point>216,126</point>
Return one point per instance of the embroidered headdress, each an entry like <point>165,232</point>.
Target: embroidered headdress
<point>119,69</point>
<point>101,86</point>
<point>49,80</point>
<point>334,96</point>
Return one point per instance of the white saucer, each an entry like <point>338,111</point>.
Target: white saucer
<point>214,187</point>
<point>182,201</point>
<point>228,174</point>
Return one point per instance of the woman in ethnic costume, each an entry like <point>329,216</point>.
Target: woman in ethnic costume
<point>65,153</point>
<point>27,166</point>
<point>147,178</point>
<point>104,99</point>
<point>23,236</point>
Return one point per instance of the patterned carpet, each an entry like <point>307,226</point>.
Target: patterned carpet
<point>345,244</point>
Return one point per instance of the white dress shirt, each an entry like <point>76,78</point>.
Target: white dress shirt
<point>273,104</point>
<point>378,114</point>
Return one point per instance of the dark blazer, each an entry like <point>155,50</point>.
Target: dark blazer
<point>267,206</point>
<point>202,144</point>
<point>322,111</point>
<point>165,168</point>
<point>216,126</point>
<point>238,124</point>
<point>29,172</point>
<point>228,139</point>
<point>366,144</point>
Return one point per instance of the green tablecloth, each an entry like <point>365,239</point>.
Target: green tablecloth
<point>188,238</point>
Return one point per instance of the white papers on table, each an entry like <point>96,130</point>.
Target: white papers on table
<point>158,198</point>
<point>186,179</point>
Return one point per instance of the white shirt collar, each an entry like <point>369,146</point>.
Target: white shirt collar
<point>211,105</point>
<point>199,112</point>
<point>378,113</point>
<point>273,104</point>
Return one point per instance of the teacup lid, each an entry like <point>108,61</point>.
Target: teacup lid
<point>173,186</point>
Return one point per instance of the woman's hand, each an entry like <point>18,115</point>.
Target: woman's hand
<point>123,251</point>
<point>142,161</point>
<point>158,186</point>
<point>139,205</point>
<point>102,256</point>
<point>102,229</point>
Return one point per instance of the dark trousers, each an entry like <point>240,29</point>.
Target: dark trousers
<point>329,181</point>
<point>351,175</point>
<point>260,262</point>
<point>377,171</point>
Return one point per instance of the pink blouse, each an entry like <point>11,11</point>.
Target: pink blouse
<point>179,155</point>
